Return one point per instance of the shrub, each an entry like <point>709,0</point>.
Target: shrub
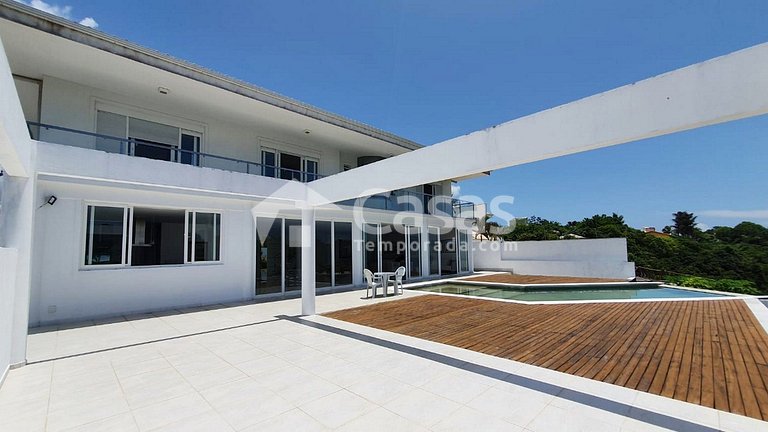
<point>739,286</point>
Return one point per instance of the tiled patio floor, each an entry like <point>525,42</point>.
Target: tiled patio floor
<point>266,369</point>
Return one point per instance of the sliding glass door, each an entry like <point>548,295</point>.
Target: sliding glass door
<point>323,254</point>
<point>342,253</point>
<point>278,252</point>
<point>269,256</point>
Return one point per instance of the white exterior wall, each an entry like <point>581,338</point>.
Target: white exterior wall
<point>7,295</point>
<point>600,258</point>
<point>71,105</point>
<point>76,292</point>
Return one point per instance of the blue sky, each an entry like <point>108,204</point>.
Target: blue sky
<point>432,70</point>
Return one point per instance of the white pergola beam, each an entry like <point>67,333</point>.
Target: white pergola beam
<point>719,90</point>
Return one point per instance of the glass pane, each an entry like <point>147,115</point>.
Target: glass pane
<point>414,246</point>
<point>310,167</point>
<point>190,243</point>
<point>104,235</point>
<point>191,145</point>
<point>158,237</point>
<point>153,150</point>
<point>269,250</point>
<point>217,237</point>
<point>322,254</point>
<point>392,247</point>
<point>292,254</point>
<point>464,251</point>
<point>112,125</point>
<point>342,238</point>
<point>205,238</point>
<point>448,261</point>
<point>371,247</point>
<point>153,132</point>
<point>434,252</point>
<point>290,167</point>
<point>268,163</point>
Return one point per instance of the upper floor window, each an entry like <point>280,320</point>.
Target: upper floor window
<point>288,166</point>
<point>147,139</point>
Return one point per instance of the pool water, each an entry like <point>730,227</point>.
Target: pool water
<point>565,293</point>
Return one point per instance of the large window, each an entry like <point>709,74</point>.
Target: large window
<point>464,246</point>
<point>292,253</point>
<point>434,251</point>
<point>269,253</point>
<point>149,236</point>
<point>158,237</point>
<point>342,250</point>
<point>371,247</point>
<point>393,246</point>
<point>105,233</point>
<point>414,252</point>
<point>323,254</point>
<point>148,139</point>
<point>288,166</point>
<point>448,262</point>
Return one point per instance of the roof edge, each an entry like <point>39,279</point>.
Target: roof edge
<point>52,24</point>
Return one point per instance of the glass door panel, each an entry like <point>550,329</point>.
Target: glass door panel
<point>290,167</point>
<point>323,255</point>
<point>342,249</point>
<point>269,252</point>
<point>292,254</point>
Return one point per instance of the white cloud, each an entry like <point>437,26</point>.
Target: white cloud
<point>89,22</point>
<point>734,214</point>
<point>455,190</point>
<point>61,11</point>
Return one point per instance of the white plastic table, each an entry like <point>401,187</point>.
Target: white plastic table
<point>384,277</point>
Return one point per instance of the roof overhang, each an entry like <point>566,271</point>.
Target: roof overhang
<point>34,19</point>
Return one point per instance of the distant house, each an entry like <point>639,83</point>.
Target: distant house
<point>652,231</point>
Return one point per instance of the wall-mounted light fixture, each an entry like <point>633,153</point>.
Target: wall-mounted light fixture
<point>50,201</point>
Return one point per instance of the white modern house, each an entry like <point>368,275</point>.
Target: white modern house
<point>160,168</point>
<point>135,181</point>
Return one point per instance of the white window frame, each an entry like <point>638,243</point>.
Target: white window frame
<point>127,249</point>
<point>189,257</point>
<point>86,249</point>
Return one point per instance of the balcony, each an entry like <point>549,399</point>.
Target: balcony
<point>406,200</point>
<point>399,200</point>
<point>159,151</point>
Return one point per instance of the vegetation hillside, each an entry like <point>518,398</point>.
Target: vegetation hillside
<point>738,254</point>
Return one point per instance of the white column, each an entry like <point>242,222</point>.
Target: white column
<point>308,261</point>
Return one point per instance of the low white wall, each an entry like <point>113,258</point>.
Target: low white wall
<point>603,258</point>
<point>7,291</point>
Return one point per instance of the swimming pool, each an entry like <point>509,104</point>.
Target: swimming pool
<point>628,291</point>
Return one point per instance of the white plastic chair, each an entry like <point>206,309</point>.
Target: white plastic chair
<point>399,275</point>
<point>371,282</point>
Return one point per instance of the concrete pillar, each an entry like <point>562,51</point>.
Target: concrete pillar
<point>308,261</point>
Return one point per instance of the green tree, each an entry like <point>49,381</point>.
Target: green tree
<point>684,224</point>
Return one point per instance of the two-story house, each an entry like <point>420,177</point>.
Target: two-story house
<point>161,184</point>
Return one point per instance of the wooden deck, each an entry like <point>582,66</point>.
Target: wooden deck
<point>712,353</point>
<point>510,278</point>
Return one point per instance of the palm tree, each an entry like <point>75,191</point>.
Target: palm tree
<point>488,228</point>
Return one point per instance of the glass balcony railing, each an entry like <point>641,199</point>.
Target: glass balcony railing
<point>399,200</point>
<point>410,201</point>
<point>158,151</point>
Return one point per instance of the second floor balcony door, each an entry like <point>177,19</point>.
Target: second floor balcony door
<point>290,167</point>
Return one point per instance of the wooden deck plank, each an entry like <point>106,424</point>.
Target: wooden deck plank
<point>708,352</point>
